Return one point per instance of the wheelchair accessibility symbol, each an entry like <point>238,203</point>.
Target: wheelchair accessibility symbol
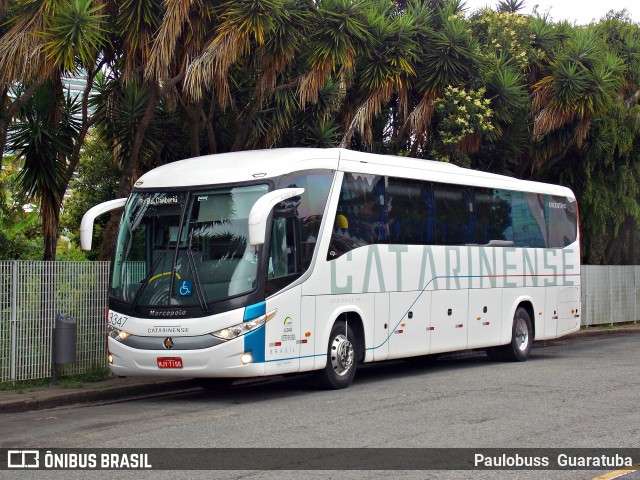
<point>185,288</point>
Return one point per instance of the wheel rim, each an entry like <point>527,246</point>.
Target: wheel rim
<point>342,355</point>
<point>522,334</point>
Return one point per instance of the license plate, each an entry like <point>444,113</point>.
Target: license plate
<point>169,362</point>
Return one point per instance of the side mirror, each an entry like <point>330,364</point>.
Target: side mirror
<point>86,226</point>
<point>261,210</point>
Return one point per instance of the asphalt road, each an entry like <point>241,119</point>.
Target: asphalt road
<point>578,395</point>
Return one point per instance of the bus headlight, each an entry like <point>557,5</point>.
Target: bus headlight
<point>243,328</point>
<point>117,334</point>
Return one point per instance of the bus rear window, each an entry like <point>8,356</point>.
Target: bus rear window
<point>563,221</point>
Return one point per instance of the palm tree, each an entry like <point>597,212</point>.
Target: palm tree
<point>136,24</point>
<point>448,56</point>
<point>582,81</point>
<point>609,157</point>
<point>511,6</point>
<point>20,53</point>
<point>45,41</point>
<point>385,69</point>
<point>42,137</point>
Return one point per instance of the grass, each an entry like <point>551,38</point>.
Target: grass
<point>609,326</point>
<point>97,374</point>
<point>24,385</point>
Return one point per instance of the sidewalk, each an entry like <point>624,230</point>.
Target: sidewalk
<point>120,389</point>
<point>110,390</point>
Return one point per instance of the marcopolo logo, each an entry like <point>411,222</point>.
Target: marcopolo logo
<point>23,459</point>
<point>167,313</point>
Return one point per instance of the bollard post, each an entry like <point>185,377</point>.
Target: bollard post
<point>63,344</point>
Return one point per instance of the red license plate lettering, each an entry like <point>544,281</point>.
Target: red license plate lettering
<point>169,362</point>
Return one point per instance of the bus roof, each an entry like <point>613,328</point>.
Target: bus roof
<point>234,167</point>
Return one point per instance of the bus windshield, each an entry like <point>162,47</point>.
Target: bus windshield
<point>185,248</point>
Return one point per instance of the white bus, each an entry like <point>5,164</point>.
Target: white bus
<point>291,260</point>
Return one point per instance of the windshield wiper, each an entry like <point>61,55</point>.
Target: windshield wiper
<point>196,281</point>
<point>146,281</point>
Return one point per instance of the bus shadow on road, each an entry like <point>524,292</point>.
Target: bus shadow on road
<point>269,388</point>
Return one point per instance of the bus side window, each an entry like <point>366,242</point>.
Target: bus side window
<point>529,223</point>
<point>361,216</point>
<point>562,218</point>
<point>454,215</point>
<point>493,215</point>
<point>410,212</point>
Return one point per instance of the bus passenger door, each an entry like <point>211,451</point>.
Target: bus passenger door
<point>485,317</point>
<point>449,314</point>
<point>283,332</point>
<point>409,324</point>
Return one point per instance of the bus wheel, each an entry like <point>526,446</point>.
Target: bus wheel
<point>521,337</point>
<point>341,358</point>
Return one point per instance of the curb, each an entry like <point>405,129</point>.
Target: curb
<point>590,334</point>
<point>40,400</point>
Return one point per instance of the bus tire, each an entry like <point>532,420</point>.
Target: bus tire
<point>521,337</point>
<point>341,358</point>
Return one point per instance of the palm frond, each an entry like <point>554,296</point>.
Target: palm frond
<point>21,50</point>
<point>137,21</point>
<point>418,123</point>
<point>341,36</point>
<point>166,41</point>
<point>75,35</point>
<point>450,56</point>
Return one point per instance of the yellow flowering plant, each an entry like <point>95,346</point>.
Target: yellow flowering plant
<point>461,113</point>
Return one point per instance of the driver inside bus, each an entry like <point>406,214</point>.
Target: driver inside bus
<point>341,226</point>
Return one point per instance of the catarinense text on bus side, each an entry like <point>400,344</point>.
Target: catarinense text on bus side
<point>409,268</point>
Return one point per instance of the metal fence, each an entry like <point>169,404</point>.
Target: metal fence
<point>32,293</point>
<point>610,294</point>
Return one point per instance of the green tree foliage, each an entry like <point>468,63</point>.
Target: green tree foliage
<point>493,89</point>
<point>42,41</point>
<point>18,229</point>
<point>95,182</point>
<point>462,118</point>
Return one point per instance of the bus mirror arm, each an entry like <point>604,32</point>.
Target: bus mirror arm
<point>86,226</point>
<point>261,210</point>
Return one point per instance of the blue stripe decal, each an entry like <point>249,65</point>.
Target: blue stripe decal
<point>438,277</point>
<point>254,342</point>
<point>254,311</point>
<point>296,358</point>
<point>416,300</point>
